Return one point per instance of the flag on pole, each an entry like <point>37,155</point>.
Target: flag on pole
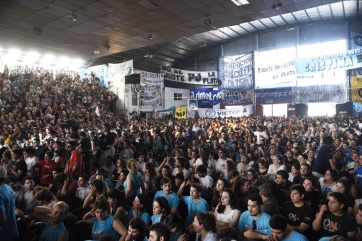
<point>97,111</point>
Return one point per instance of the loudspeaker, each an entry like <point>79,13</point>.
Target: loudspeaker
<point>301,110</point>
<point>345,108</point>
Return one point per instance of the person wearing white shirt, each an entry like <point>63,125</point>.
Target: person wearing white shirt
<point>180,167</point>
<point>220,165</point>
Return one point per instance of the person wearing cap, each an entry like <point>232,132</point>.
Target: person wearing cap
<point>8,225</point>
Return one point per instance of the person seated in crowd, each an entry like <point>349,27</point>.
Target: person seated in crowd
<point>159,232</point>
<point>166,192</point>
<point>243,191</point>
<point>44,169</point>
<point>312,197</point>
<point>55,229</point>
<point>283,183</point>
<point>137,230</point>
<point>226,213</point>
<point>254,223</point>
<point>270,204</point>
<point>299,214</point>
<point>161,209</point>
<point>331,220</point>
<point>281,232</point>
<point>140,209</point>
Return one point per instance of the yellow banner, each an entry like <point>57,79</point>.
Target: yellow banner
<point>180,112</point>
<point>356,86</point>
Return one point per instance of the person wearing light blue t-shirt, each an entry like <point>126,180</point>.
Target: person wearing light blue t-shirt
<point>166,192</point>
<point>254,223</point>
<point>195,203</point>
<point>279,230</point>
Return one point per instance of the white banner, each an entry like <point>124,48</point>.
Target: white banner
<point>117,72</point>
<point>331,62</point>
<point>190,77</point>
<point>151,90</point>
<point>319,93</point>
<point>245,110</point>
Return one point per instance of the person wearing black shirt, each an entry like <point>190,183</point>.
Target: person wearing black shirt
<point>299,214</point>
<point>321,164</point>
<point>304,172</point>
<point>331,220</point>
<point>312,197</point>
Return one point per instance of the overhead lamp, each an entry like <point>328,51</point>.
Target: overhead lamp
<point>72,17</point>
<point>277,4</point>
<point>37,31</point>
<point>96,50</point>
<point>150,36</point>
<point>208,21</point>
<point>240,2</point>
<point>106,47</point>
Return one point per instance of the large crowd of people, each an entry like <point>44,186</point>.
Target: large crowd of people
<point>68,173</point>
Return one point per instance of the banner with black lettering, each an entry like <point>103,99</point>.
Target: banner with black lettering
<point>278,95</point>
<point>319,93</point>
<point>181,112</point>
<point>330,62</point>
<point>151,93</point>
<point>207,97</point>
<point>237,97</point>
<point>236,72</point>
<point>356,85</point>
<point>245,110</point>
<point>190,77</point>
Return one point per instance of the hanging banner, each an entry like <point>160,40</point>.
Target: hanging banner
<point>245,110</point>
<point>180,112</point>
<point>116,73</point>
<point>356,86</point>
<point>319,93</point>
<point>237,97</point>
<point>207,95</point>
<point>90,74</point>
<point>357,109</point>
<point>279,95</point>
<point>151,92</point>
<point>236,72</point>
<point>190,77</point>
<point>338,61</point>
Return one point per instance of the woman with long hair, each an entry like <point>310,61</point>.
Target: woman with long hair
<point>150,179</point>
<point>117,171</point>
<point>141,209</point>
<point>134,181</point>
<point>117,207</point>
<point>276,166</point>
<point>205,227</point>
<point>161,209</point>
<point>226,213</point>
<point>221,184</point>
<point>343,187</point>
<point>328,182</point>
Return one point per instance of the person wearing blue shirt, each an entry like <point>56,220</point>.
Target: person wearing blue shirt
<point>195,203</point>
<point>254,223</point>
<point>134,181</point>
<point>166,192</point>
<point>55,229</point>
<point>280,232</point>
<point>137,230</point>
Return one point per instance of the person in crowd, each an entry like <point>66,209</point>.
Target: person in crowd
<point>55,229</point>
<point>44,168</point>
<point>331,220</point>
<point>180,167</point>
<point>8,225</point>
<point>270,204</point>
<point>97,191</point>
<point>161,210</point>
<point>176,224</point>
<point>299,214</point>
<point>281,232</point>
<point>30,201</point>
<point>137,230</point>
<point>304,171</point>
<point>195,203</point>
<point>321,164</point>
<point>276,166</point>
<point>220,166</point>
<point>253,178</point>
<point>159,232</point>
<point>140,209</point>
<point>204,225</point>
<point>117,170</point>
<point>254,223</point>
<point>117,207</point>
<point>242,191</point>
<point>328,183</point>
<point>166,192</point>
<point>74,166</point>
<point>108,167</point>
<point>312,197</point>
<point>150,179</point>
<point>226,213</point>
<point>30,159</point>
<point>134,181</point>
<point>17,167</point>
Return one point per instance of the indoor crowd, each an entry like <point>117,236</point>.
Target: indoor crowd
<point>69,173</point>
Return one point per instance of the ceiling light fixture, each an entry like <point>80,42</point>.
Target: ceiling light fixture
<point>96,50</point>
<point>277,4</point>
<point>240,2</point>
<point>72,16</point>
<point>106,47</point>
<point>208,21</point>
<point>150,36</point>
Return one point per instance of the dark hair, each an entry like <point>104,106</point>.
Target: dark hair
<point>175,221</point>
<point>146,207</point>
<point>312,180</point>
<point>299,188</point>
<point>278,222</point>
<point>253,172</point>
<point>242,181</point>
<point>197,186</point>
<point>228,233</point>
<point>29,150</point>
<point>44,195</point>
<point>327,140</point>
<point>161,230</point>
<point>284,174</point>
<point>49,153</point>
<point>72,143</point>
<point>101,204</point>
<point>256,198</point>
<point>165,180</point>
<point>58,169</point>
<point>233,200</point>
<point>305,164</point>
<point>201,169</point>
<point>333,173</point>
<point>162,201</point>
<point>85,177</point>
<point>207,220</point>
<point>139,224</point>
<point>297,166</point>
<point>339,196</point>
<point>119,195</point>
<point>346,187</point>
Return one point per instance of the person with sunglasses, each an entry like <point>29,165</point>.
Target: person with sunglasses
<point>254,223</point>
